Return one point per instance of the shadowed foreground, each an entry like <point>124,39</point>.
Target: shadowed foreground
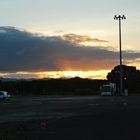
<point>73,118</point>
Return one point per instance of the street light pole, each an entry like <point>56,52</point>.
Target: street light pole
<point>120,17</point>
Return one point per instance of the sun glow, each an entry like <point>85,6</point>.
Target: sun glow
<point>101,74</point>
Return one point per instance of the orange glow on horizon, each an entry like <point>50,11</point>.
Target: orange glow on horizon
<point>101,74</point>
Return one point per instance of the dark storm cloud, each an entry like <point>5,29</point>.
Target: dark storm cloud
<point>24,51</point>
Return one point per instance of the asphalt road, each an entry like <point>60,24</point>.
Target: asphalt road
<point>70,118</point>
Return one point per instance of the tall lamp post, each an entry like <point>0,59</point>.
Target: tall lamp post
<point>120,17</point>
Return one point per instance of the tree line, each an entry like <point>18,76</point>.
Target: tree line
<point>74,86</point>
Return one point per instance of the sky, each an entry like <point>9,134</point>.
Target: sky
<point>66,38</point>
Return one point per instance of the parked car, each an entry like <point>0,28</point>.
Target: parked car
<point>4,95</point>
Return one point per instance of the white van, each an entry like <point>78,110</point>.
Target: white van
<point>4,95</point>
<point>108,89</point>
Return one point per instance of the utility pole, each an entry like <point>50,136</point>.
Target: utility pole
<point>120,17</point>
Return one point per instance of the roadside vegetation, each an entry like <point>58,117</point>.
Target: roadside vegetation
<point>73,86</point>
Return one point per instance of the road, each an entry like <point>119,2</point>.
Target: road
<point>70,118</point>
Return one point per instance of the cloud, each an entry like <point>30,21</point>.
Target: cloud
<point>21,50</point>
<point>82,38</point>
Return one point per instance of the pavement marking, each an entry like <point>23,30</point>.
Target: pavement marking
<point>93,104</point>
<point>64,116</point>
<point>125,104</point>
<point>6,103</point>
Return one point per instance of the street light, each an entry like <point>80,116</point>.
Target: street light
<point>120,17</point>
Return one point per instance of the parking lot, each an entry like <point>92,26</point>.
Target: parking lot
<point>91,117</point>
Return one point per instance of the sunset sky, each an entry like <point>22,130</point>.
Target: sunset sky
<point>66,38</point>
